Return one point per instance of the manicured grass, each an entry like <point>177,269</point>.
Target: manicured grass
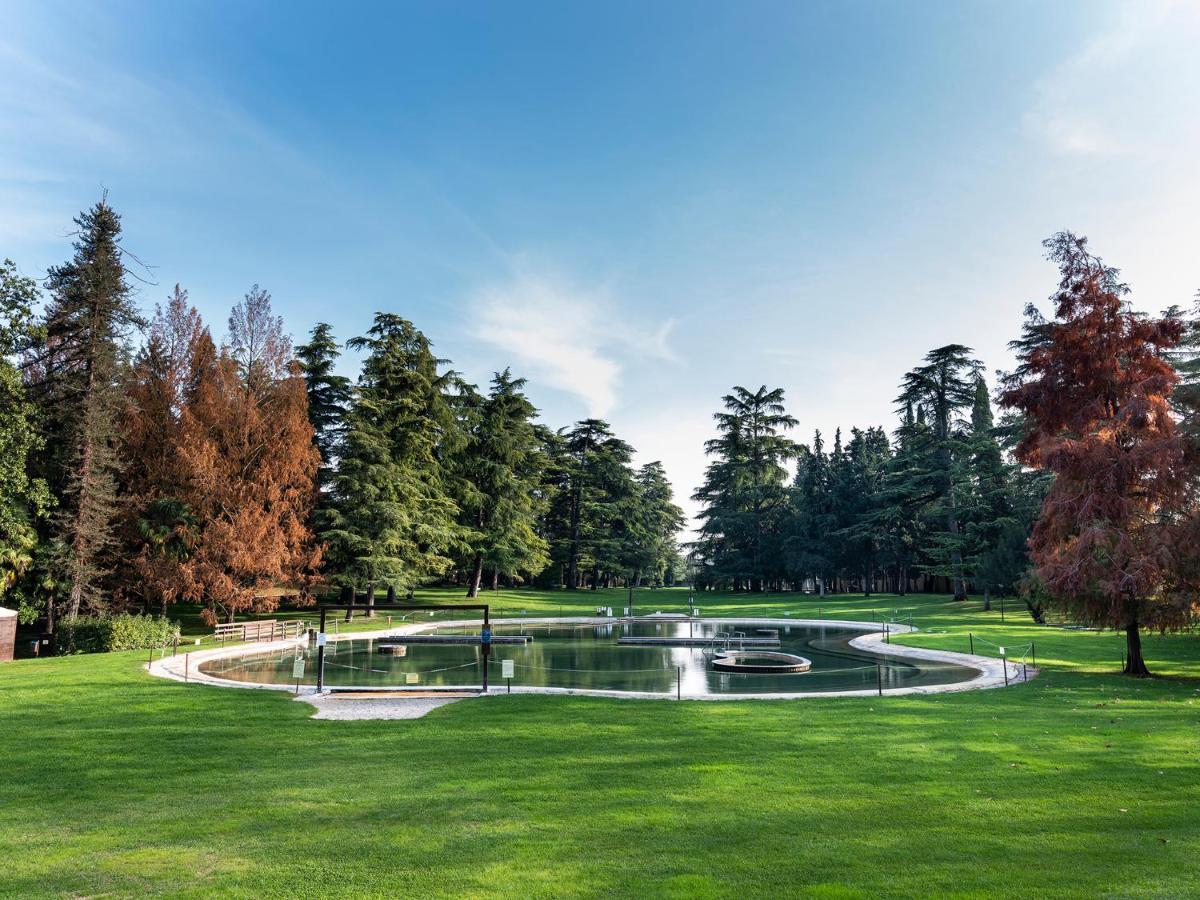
<point>1079,783</point>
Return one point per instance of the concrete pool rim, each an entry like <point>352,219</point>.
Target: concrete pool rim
<point>990,672</point>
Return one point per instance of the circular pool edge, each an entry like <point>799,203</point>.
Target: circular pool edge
<point>990,672</point>
<point>735,661</point>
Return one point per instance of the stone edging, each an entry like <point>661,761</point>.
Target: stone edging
<point>991,671</point>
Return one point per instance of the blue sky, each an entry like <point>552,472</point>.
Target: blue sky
<point>636,205</point>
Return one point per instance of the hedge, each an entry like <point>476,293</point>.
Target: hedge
<point>99,634</point>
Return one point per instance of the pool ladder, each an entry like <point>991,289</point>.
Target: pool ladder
<point>723,639</point>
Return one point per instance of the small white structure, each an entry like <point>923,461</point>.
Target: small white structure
<point>8,633</point>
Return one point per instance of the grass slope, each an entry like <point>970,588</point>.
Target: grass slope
<point>1080,783</point>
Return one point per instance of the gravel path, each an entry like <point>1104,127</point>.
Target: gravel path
<point>331,706</point>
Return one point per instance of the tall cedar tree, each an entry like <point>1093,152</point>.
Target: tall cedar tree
<point>1095,388</point>
<point>593,485</point>
<point>943,389</point>
<point>249,467</point>
<point>23,500</point>
<point>904,495</point>
<point>859,498</point>
<point>807,545</point>
<point>160,529</point>
<point>89,320</point>
<point>991,515</point>
<point>744,491</point>
<point>504,463</point>
<point>652,525</point>
<point>396,522</point>
<point>328,398</point>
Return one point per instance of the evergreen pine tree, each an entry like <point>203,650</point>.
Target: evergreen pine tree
<point>503,460</point>
<point>597,485</point>
<point>943,389</point>
<point>328,399</point>
<point>395,521</point>
<point>89,320</point>
<point>744,495</point>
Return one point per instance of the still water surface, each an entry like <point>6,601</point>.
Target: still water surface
<point>589,657</point>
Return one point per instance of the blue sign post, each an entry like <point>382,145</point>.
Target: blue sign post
<point>485,636</point>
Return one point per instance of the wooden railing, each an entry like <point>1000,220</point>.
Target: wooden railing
<point>259,630</point>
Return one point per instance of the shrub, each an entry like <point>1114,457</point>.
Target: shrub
<point>99,634</point>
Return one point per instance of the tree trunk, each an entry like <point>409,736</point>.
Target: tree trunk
<point>476,576</point>
<point>371,600</point>
<point>495,579</point>
<point>987,599</point>
<point>596,576</point>
<point>1134,663</point>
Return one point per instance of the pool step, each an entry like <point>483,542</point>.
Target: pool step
<point>696,641</point>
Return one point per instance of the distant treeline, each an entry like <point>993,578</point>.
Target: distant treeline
<point>1085,494</point>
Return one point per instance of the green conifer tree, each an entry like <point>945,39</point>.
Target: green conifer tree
<point>395,522</point>
<point>90,318</point>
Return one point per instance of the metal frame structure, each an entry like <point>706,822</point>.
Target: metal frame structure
<point>485,637</point>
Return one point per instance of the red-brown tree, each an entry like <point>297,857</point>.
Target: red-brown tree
<point>1111,543</point>
<point>250,462</point>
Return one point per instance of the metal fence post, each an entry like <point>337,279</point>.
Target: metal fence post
<point>678,682</point>
<point>879,678</point>
<point>972,637</point>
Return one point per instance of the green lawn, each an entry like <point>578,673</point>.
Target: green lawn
<point>1080,783</point>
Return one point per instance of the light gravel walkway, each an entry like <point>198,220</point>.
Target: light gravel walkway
<point>331,706</point>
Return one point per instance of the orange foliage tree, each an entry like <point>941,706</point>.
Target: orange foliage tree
<point>222,461</point>
<point>247,446</point>
<point>1094,387</point>
<point>160,529</point>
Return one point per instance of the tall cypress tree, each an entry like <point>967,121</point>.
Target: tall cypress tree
<point>89,320</point>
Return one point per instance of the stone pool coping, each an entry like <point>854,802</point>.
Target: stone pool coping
<point>991,672</point>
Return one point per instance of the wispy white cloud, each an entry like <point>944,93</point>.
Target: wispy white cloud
<point>573,339</point>
<point>1131,91</point>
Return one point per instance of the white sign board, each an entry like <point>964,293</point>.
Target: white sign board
<point>322,639</point>
<point>298,667</point>
<point>411,677</point>
<point>506,668</point>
